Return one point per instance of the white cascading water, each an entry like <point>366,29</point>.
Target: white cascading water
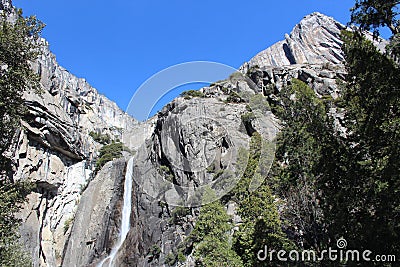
<point>126,215</point>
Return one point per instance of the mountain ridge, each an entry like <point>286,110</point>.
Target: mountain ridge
<point>72,218</point>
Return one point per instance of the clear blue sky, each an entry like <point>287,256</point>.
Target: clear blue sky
<point>117,45</point>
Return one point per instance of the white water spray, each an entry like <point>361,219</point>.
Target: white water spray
<point>126,215</point>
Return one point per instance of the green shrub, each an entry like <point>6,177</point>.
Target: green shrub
<point>104,139</point>
<point>236,75</point>
<point>248,117</point>
<point>179,213</point>
<point>170,259</point>
<point>67,224</point>
<point>191,93</point>
<point>252,69</point>
<point>211,168</point>
<point>225,90</point>
<point>180,257</point>
<point>166,173</point>
<point>233,97</point>
<point>110,152</point>
<point>164,169</point>
<point>155,252</point>
<point>259,103</point>
<point>173,258</point>
<point>212,242</point>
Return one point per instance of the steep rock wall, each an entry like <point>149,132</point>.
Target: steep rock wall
<point>54,150</point>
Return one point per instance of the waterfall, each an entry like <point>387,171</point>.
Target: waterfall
<point>126,215</point>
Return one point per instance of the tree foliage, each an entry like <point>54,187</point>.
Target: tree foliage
<point>258,210</point>
<point>376,14</point>
<point>344,183</point>
<point>373,14</point>
<point>303,118</point>
<point>109,152</point>
<point>104,139</point>
<point>19,46</point>
<point>361,171</point>
<point>299,145</point>
<point>192,93</point>
<point>12,195</point>
<point>211,235</point>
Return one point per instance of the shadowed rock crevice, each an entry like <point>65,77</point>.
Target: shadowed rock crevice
<point>288,54</point>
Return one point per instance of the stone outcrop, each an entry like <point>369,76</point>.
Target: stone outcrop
<point>315,40</point>
<point>71,219</point>
<point>311,53</point>
<point>93,224</point>
<point>194,139</point>
<point>55,151</point>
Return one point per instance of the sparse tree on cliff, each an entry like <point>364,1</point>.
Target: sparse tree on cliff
<point>19,45</point>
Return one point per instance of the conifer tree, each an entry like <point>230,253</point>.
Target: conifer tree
<point>19,46</point>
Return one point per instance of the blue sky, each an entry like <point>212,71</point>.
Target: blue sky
<point>117,45</point>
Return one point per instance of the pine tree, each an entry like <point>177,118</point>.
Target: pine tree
<point>376,14</point>
<point>19,45</point>
<point>305,127</point>
<point>361,171</point>
<point>258,210</point>
<point>373,14</point>
<point>211,235</point>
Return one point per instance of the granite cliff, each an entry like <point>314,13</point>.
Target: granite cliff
<point>54,150</point>
<point>72,218</point>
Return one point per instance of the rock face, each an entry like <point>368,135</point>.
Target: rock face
<point>5,5</point>
<point>55,151</point>
<point>315,40</point>
<point>92,224</point>
<point>190,135</point>
<point>72,219</point>
<point>311,53</point>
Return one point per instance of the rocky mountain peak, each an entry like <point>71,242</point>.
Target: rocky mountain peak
<point>318,18</point>
<point>72,218</point>
<point>314,40</point>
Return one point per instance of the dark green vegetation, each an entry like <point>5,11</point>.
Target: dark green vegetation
<point>18,46</point>
<point>296,169</point>
<point>331,179</point>
<point>233,97</point>
<point>111,149</point>
<point>258,210</point>
<point>104,139</point>
<point>365,207</point>
<point>109,152</point>
<point>191,93</point>
<point>375,14</point>
<point>12,195</point>
<point>212,239</point>
<point>211,236</point>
